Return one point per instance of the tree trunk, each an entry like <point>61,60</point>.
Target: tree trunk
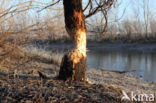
<point>73,64</point>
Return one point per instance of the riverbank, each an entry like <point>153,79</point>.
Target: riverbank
<point>20,81</point>
<point>33,89</point>
<point>101,86</point>
<point>138,59</point>
<point>122,80</point>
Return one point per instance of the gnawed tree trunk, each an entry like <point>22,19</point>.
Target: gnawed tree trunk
<point>73,64</point>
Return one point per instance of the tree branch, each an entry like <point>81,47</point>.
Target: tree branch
<point>87,5</point>
<point>101,5</point>
<point>49,6</point>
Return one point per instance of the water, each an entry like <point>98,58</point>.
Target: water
<point>142,65</point>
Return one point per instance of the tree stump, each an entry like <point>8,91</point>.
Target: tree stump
<point>73,66</point>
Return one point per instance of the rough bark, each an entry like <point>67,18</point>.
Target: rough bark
<point>73,64</point>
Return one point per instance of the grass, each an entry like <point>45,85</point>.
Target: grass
<point>54,57</point>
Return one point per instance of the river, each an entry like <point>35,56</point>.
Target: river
<point>141,65</point>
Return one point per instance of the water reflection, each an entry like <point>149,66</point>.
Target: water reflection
<point>144,64</point>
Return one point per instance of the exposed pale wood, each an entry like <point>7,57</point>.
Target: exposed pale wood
<point>73,64</point>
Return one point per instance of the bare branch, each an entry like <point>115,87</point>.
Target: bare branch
<point>103,4</point>
<point>49,6</point>
<point>87,5</point>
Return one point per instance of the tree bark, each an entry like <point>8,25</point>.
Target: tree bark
<point>73,64</point>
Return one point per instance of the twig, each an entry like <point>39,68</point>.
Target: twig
<point>42,76</point>
<point>48,6</point>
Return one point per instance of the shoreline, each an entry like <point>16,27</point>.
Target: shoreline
<point>51,49</point>
<point>121,47</point>
<point>124,81</point>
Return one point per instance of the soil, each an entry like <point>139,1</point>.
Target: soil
<point>25,87</point>
<point>35,81</point>
<point>101,87</point>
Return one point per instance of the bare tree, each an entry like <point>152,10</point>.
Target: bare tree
<point>73,64</point>
<point>153,27</point>
<point>146,14</point>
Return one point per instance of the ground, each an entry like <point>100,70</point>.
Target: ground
<point>25,87</point>
<point>32,78</point>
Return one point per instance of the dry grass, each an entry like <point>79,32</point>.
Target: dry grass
<point>12,57</point>
<point>54,57</point>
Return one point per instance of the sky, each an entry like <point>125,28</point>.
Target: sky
<point>134,7</point>
<point>130,8</point>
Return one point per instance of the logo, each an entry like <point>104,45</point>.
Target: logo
<point>125,97</point>
<point>138,97</point>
